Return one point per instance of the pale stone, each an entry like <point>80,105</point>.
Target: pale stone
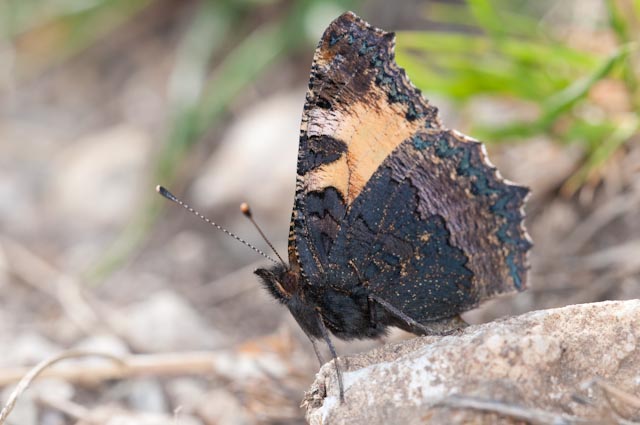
<point>539,360</point>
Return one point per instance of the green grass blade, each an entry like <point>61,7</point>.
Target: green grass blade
<point>487,16</point>
<point>560,103</point>
<point>617,21</point>
<point>567,98</point>
<point>461,66</point>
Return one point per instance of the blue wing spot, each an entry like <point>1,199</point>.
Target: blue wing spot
<point>334,39</point>
<point>420,143</point>
<point>513,269</point>
<point>443,150</point>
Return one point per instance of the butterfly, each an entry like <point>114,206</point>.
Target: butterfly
<point>397,220</point>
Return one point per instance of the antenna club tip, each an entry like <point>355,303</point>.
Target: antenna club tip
<point>244,208</point>
<point>164,192</point>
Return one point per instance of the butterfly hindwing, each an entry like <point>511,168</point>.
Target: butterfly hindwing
<point>435,231</point>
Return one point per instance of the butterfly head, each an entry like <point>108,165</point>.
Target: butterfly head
<point>285,285</point>
<point>280,281</point>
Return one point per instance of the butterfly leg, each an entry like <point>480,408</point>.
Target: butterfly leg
<point>371,305</point>
<point>315,348</point>
<point>408,320</point>
<point>325,336</point>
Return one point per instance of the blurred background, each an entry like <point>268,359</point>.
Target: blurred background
<point>102,100</point>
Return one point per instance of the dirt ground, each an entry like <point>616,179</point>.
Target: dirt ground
<point>77,146</point>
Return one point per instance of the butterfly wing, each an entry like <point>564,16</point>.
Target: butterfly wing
<point>436,230</point>
<point>359,108</point>
<point>388,198</point>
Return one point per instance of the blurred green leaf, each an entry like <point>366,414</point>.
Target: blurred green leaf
<point>61,29</point>
<point>589,133</point>
<point>562,101</point>
<point>621,26</point>
<point>463,65</point>
<point>459,14</point>
<point>528,51</point>
<point>559,103</point>
<point>488,18</point>
<point>616,21</point>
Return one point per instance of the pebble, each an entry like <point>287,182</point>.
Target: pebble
<point>146,395</point>
<point>221,407</point>
<point>27,349</point>
<point>98,178</point>
<point>167,322</point>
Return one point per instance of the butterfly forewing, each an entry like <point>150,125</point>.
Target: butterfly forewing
<point>359,108</point>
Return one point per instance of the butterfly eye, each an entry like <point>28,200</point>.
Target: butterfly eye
<point>290,283</point>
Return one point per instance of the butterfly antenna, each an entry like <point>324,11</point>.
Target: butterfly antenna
<point>170,196</point>
<point>244,207</point>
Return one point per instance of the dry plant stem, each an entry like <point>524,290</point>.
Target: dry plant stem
<point>598,219</point>
<point>176,415</point>
<point>530,415</point>
<point>611,390</point>
<point>623,257</point>
<point>630,399</point>
<point>40,275</point>
<point>153,364</point>
<point>68,407</point>
<point>32,374</point>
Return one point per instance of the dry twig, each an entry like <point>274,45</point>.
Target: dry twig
<point>611,391</point>
<point>42,276</point>
<point>598,219</point>
<point>530,415</point>
<point>33,373</point>
<point>68,407</point>
<point>188,363</point>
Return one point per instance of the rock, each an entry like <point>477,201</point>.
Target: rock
<point>108,415</point>
<point>4,272</point>
<point>53,388</point>
<point>102,343</point>
<point>52,417</point>
<point>28,348</point>
<point>221,407</point>
<point>166,322</point>
<point>56,392</point>
<point>187,393</point>
<point>146,395</point>
<point>109,164</point>
<point>541,360</point>
<point>255,163</point>
<point>256,160</point>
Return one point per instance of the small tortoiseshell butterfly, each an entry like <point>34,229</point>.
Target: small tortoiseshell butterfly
<point>397,221</point>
